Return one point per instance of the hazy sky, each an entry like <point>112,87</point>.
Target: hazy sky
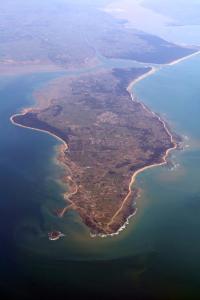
<point>175,20</point>
<point>182,10</point>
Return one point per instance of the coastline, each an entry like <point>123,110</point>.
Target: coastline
<point>182,59</point>
<point>133,178</point>
<point>152,71</point>
<point>36,129</point>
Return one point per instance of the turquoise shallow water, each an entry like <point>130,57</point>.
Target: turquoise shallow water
<point>156,257</point>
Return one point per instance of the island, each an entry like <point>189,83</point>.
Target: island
<point>55,235</point>
<point>108,138</point>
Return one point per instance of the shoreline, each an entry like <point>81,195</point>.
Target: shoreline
<point>152,71</point>
<point>177,61</point>
<point>36,129</point>
<point>133,178</point>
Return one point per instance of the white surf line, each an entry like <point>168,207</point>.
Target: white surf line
<point>129,89</point>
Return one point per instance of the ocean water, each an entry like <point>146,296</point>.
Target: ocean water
<point>156,257</point>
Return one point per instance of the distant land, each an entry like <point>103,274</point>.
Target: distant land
<point>69,35</point>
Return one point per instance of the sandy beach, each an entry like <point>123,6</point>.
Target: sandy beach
<point>26,110</point>
<point>129,89</point>
<point>182,59</point>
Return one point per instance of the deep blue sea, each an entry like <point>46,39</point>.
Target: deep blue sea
<point>156,257</point>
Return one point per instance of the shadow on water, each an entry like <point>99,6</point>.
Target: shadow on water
<point>112,279</point>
